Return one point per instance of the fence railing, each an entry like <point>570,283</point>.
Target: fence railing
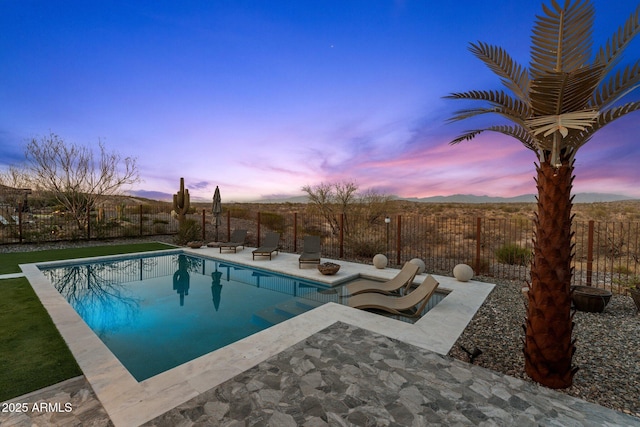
<point>606,254</point>
<point>46,225</point>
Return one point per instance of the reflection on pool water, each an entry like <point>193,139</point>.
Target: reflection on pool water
<point>157,312</point>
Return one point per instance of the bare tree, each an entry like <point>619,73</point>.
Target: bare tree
<point>374,204</point>
<point>322,198</point>
<point>74,176</point>
<point>14,187</point>
<point>342,198</point>
<point>15,177</point>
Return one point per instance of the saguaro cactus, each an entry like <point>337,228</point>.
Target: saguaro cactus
<point>181,201</point>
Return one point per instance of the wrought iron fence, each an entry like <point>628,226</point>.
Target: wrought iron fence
<point>607,254</point>
<point>47,224</point>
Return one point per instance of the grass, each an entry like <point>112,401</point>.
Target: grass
<point>33,353</point>
<point>10,261</point>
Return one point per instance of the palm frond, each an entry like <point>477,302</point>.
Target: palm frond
<point>617,87</point>
<point>567,96</point>
<point>609,54</point>
<point>502,104</point>
<point>467,136</point>
<point>516,132</point>
<point>561,40</point>
<point>605,118</point>
<point>548,125</point>
<point>557,93</point>
<point>514,76</point>
<point>471,112</point>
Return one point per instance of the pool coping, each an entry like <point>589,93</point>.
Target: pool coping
<point>129,402</point>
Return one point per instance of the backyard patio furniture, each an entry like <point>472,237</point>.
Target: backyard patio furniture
<point>410,305</point>
<point>271,245</point>
<point>310,251</point>
<point>238,238</point>
<point>403,279</point>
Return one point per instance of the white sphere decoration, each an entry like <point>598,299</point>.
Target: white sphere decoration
<point>380,261</point>
<point>463,272</point>
<point>420,263</point>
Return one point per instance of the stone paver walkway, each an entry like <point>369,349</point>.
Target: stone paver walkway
<point>345,376</point>
<point>69,403</point>
<point>348,376</point>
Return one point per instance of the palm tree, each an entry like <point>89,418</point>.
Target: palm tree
<point>554,108</point>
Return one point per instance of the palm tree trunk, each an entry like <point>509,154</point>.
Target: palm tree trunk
<point>548,345</point>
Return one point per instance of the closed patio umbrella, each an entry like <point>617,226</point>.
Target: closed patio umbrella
<point>217,209</point>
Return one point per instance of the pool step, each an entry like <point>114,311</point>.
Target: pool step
<point>295,307</point>
<point>283,311</point>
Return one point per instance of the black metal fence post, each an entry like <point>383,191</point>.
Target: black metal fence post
<point>258,237</point>
<point>88,223</point>
<point>399,240</point>
<point>478,243</point>
<point>140,218</point>
<point>204,230</point>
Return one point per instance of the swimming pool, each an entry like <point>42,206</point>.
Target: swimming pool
<point>132,402</point>
<point>157,312</point>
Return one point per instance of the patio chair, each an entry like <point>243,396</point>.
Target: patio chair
<point>238,238</point>
<point>404,279</point>
<point>271,244</point>
<point>310,251</point>
<point>410,305</point>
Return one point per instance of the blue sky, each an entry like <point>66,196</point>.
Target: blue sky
<point>264,97</point>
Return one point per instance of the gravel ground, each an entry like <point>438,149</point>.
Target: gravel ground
<point>608,346</point>
<point>608,343</point>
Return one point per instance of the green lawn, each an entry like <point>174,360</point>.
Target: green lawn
<point>33,353</point>
<point>9,261</point>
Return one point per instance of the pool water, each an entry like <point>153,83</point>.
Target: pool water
<point>157,312</point>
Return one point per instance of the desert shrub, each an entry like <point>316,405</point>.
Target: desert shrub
<point>313,229</point>
<point>188,231</point>
<point>130,230</point>
<point>509,209</point>
<point>483,268</point>
<point>148,209</point>
<point>513,254</point>
<point>364,245</point>
<point>523,222</point>
<point>241,213</point>
<point>598,211</point>
<point>160,221</point>
<point>470,235</point>
<point>159,228</point>
<point>103,229</point>
<point>622,269</point>
<point>273,221</point>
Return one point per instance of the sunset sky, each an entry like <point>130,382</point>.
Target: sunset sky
<point>264,97</point>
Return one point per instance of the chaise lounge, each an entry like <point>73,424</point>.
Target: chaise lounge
<point>238,238</point>
<point>410,305</point>
<point>404,279</point>
<point>310,252</point>
<point>271,245</point>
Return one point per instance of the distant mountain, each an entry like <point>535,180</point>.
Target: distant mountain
<point>471,198</point>
<point>153,195</point>
<point>456,198</point>
<point>294,199</point>
<point>525,198</point>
